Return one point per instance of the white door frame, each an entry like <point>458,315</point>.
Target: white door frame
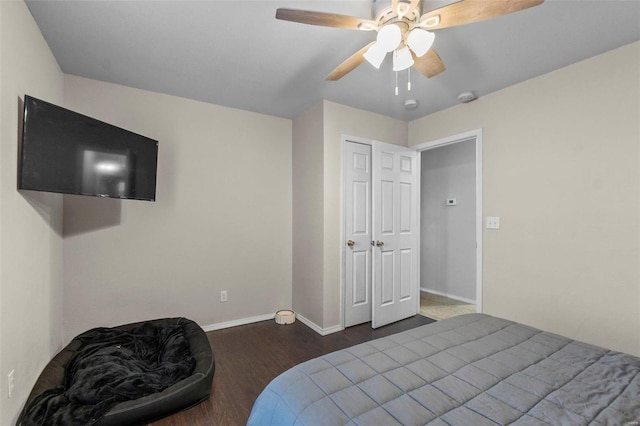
<point>463,137</point>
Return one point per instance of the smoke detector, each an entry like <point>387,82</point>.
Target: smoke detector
<point>410,104</point>
<point>466,97</point>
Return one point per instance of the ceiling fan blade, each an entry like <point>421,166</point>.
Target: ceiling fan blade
<point>468,11</point>
<point>428,64</point>
<point>413,6</point>
<point>326,19</point>
<point>349,65</point>
<point>405,8</point>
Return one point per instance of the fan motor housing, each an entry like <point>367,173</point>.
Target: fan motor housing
<point>382,13</point>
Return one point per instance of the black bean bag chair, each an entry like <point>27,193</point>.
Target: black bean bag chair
<point>186,392</point>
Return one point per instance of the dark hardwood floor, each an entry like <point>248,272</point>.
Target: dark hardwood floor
<point>248,357</point>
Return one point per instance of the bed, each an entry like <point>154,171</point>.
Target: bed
<point>473,369</point>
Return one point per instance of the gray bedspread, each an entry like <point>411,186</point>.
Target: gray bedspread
<point>469,370</point>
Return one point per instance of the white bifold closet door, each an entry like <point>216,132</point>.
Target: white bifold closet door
<point>381,213</point>
<point>357,189</point>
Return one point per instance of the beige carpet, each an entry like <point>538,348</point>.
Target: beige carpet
<point>440,307</point>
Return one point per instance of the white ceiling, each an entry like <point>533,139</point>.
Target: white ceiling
<point>235,53</point>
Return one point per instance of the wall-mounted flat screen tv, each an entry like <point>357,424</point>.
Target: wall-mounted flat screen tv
<point>67,152</point>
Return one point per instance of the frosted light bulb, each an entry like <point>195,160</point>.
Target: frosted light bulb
<point>402,59</point>
<point>375,55</point>
<point>389,37</point>
<point>420,41</point>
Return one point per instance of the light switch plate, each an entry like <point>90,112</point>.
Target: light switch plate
<point>493,222</point>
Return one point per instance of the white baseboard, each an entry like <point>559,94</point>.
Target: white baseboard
<point>321,331</point>
<point>235,323</point>
<point>450,296</point>
<point>243,321</point>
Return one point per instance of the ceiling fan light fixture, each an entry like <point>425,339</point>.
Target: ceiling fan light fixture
<point>402,59</point>
<point>420,41</point>
<point>375,55</point>
<point>395,20</point>
<point>389,37</point>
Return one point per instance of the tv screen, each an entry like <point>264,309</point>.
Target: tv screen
<point>70,153</point>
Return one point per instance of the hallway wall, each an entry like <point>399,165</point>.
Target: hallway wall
<point>448,233</point>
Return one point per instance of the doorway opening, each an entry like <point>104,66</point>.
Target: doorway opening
<point>439,307</point>
<point>451,226</point>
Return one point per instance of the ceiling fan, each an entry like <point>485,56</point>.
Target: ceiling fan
<point>404,30</point>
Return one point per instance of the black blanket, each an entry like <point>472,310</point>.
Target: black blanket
<point>113,366</point>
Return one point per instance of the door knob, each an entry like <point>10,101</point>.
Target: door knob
<point>351,243</point>
<point>379,243</point>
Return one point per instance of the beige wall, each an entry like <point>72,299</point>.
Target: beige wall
<point>343,120</point>
<point>222,219</point>
<point>317,154</point>
<point>307,213</point>
<point>30,222</point>
<point>561,169</point>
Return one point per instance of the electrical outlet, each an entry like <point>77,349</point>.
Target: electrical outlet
<point>223,296</point>
<point>493,222</point>
<point>10,382</point>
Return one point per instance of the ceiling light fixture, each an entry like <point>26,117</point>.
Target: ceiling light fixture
<point>375,55</point>
<point>400,40</point>
<point>420,41</point>
<point>402,59</point>
<point>397,21</point>
<point>389,37</point>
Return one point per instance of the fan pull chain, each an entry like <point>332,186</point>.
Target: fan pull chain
<point>396,83</point>
<point>409,80</point>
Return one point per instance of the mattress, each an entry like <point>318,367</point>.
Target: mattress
<point>473,369</point>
